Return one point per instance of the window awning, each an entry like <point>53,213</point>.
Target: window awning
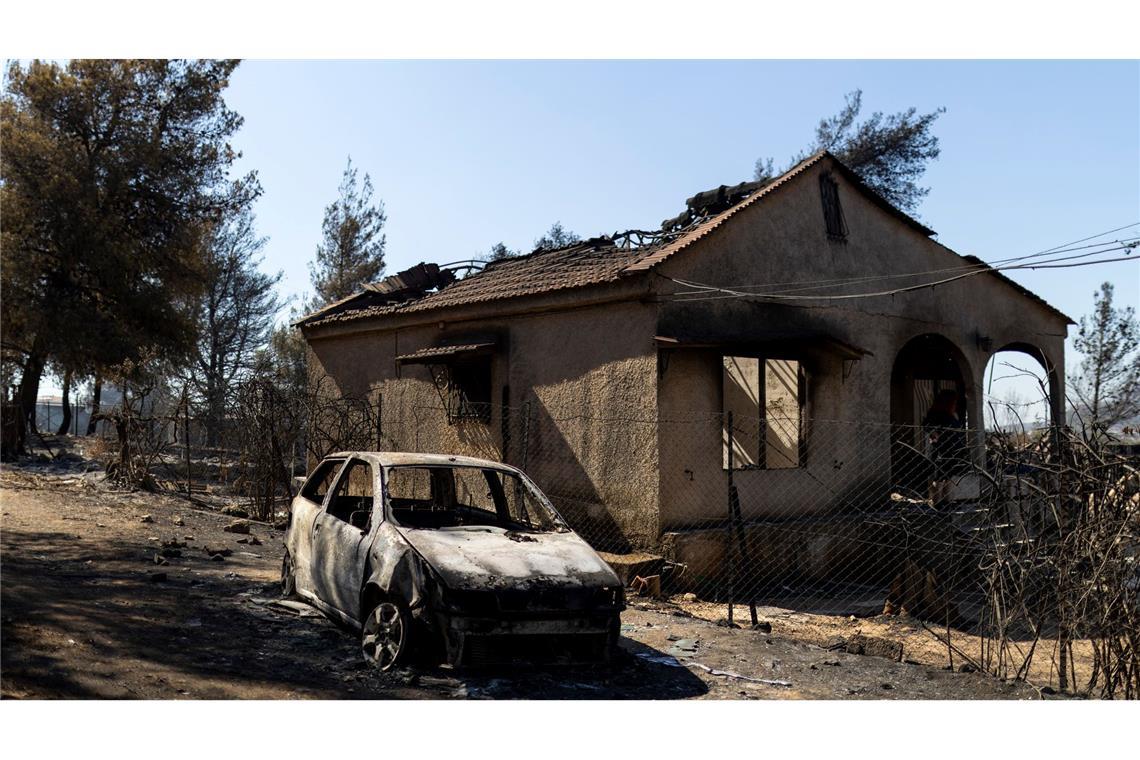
<point>442,354</point>
<point>775,344</point>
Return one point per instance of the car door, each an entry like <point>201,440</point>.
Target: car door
<point>340,541</point>
<point>306,506</point>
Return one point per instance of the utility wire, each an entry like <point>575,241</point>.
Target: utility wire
<point>705,291</point>
<point>1065,248</point>
<point>819,284</point>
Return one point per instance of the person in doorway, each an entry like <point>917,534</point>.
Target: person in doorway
<point>947,435</point>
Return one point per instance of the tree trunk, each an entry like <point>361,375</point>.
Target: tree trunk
<point>65,404</point>
<point>96,393</point>
<point>29,390</point>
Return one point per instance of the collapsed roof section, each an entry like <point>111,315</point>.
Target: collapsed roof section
<point>588,262</point>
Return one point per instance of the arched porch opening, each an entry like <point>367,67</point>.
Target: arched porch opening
<point>1021,388</point>
<point>927,366</point>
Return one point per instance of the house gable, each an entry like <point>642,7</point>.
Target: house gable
<point>777,244</point>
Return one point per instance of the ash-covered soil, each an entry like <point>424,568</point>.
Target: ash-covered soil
<point>91,608</point>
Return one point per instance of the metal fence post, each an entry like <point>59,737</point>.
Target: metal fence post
<point>379,421</point>
<point>735,536</point>
<point>186,434</point>
<point>732,570</point>
<point>526,434</point>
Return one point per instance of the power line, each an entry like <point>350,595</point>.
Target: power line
<point>983,266</point>
<point>705,291</point>
<point>836,282</point>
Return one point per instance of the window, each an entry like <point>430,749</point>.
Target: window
<point>832,211</point>
<point>448,497</point>
<point>471,389</point>
<point>321,480</point>
<point>353,491</point>
<point>766,399</point>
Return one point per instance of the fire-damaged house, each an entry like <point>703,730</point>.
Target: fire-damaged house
<point>819,318</point>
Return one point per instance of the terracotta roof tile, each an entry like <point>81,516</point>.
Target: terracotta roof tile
<point>591,262</point>
<point>540,272</point>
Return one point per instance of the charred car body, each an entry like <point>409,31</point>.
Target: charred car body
<point>450,556</point>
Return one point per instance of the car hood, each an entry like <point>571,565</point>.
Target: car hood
<point>483,557</point>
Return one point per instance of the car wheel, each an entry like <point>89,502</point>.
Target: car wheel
<point>288,576</point>
<point>384,639</point>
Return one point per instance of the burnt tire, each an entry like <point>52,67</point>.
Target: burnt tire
<point>386,636</point>
<point>288,576</point>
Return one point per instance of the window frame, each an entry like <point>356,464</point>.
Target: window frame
<point>460,385</point>
<point>762,455</point>
<point>342,479</point>
<point>558,522</point>
<point>835,223</point>
<point>336,466</point>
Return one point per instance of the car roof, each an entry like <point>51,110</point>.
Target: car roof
<point>404,458</point>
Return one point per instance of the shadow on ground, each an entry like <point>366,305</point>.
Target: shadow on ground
<point>83,619</point>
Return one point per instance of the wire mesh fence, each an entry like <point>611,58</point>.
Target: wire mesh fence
<point>1016,552</point>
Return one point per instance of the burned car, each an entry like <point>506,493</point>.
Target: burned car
<point>460,560</point>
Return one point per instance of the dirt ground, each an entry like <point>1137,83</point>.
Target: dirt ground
<point>922,643</point>
<point>88,613</point>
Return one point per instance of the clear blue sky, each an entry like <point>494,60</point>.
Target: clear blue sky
<point>465,154</point>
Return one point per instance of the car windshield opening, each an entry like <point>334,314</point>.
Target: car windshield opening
<point>455,496</point>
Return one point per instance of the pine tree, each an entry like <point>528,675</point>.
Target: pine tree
<point>888,152</point>
<point>235,315</point>
<point>111,171</point>
<point>1105,391</point>
<point>351,253</point>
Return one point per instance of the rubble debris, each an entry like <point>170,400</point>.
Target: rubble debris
<point>146,519</point>
<point>874,646</point>
<point>630,566</point>
<point>300,609</point>
<point>690,597</point>
<point>659,659</point>
<point>160,560</point>
<point>738,676</point>
<point>217,558</point>
<point>762,626</point>
<point>238,526</point>
<point>684,646</point>
<point>235,512</point>
<point>647,586</point>
<point>178,521</point>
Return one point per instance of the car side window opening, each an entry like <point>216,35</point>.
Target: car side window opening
<point>321,480</point>
<point>353,491</point>
<point>443,497</point>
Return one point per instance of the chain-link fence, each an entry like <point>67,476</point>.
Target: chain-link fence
<point>1015,552</point>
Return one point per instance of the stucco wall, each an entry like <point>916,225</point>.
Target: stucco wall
<point>782,240</point>
<point>586,379</point>
<point>613,425</point>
